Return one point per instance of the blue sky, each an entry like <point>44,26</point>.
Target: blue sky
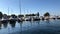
<point>30,6</point>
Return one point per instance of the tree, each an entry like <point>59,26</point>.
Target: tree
<point>46,14</point>
<point>1,15</point>
<point>20,16</point>
<point>13,16</point>
<point>5,16</point>
<point>8,16</point>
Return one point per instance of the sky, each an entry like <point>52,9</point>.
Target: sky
<point>30,6</point>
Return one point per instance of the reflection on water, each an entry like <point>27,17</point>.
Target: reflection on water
<point>30,27</point>
<point>0,25</point>
<point>12,24</point>
<point>5,24</point>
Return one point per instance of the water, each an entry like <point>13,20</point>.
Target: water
<point>33,27</point>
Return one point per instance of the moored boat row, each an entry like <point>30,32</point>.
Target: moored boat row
<point>27,19</point>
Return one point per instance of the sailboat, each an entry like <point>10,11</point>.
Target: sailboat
<point>20,17</point>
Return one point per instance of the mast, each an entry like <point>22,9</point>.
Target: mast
<point>20,6</point>
<point>8,10</point>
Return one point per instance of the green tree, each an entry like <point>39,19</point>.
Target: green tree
<point>5,16</point>
<point>13,16</point>
<point>1,15</point>
<point>20,16</point>
<point>46,14</point>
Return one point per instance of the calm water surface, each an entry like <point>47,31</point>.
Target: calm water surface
<point>33,27</point>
